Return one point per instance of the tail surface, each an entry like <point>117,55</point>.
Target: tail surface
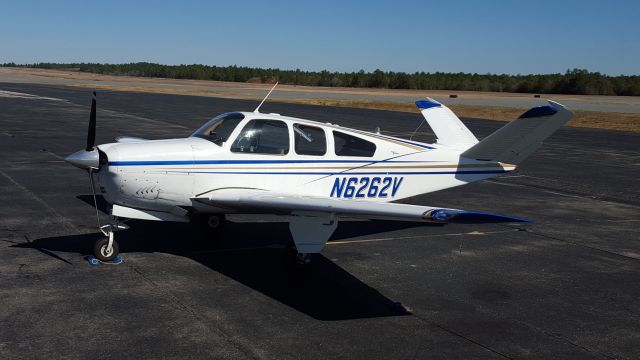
<point>520,138</point>
<point>448,128</point>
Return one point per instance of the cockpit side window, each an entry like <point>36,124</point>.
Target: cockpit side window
<point>263,137</point>
<point>309,140</point>
<point>218,129</point>
<point>347,145</point>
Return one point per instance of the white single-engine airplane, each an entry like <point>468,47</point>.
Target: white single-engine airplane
<point>316,173</point>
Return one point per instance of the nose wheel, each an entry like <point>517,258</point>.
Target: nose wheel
<point>106,249</point>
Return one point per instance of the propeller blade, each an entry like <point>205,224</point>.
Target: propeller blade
<point>91,133</point>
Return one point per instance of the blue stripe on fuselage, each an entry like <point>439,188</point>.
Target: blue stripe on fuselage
<point>227,162</point>
<point>347,173</point>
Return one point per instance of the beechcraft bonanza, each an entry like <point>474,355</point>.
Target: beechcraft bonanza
<point>316,173</point>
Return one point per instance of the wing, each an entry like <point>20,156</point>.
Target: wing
<point>252,200</point>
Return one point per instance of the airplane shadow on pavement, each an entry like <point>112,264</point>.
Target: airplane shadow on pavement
<point>254,255</point>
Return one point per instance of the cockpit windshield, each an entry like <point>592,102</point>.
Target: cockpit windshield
<point>218,129</point>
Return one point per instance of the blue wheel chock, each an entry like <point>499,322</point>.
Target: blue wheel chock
<point>93,261</point>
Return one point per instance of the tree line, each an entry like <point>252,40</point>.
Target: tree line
<point>575,81</point>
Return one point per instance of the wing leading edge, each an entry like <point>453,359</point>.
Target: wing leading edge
<point>252,200</point>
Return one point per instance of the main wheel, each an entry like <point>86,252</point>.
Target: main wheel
<point>100,250</point>
<point>214,222</point>
<point>295,260</point>
<point>210,224</point>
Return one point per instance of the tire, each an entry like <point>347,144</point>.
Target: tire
<point>211,224</point>
<point>214,222</point>
<point>100,250</point>
<point>291,259</point>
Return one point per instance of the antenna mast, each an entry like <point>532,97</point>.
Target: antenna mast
<point>257,110</point>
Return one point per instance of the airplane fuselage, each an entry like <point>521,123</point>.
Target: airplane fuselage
<point>159,175</point>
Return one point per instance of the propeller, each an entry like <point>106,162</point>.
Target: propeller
<point>89,158</point>
<point>91,132</point>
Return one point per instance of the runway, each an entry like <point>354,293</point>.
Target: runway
<point>566,286</point>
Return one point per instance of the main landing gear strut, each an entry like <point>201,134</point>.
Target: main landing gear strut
<point>310,232</point>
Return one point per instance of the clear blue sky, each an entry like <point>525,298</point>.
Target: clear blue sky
<point>497,36</point>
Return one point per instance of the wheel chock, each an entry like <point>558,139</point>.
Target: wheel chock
<point>93,261</point>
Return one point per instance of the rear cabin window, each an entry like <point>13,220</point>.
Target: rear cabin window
<point>347,145</point>
<point>263,137</point>
<point>309,140</point>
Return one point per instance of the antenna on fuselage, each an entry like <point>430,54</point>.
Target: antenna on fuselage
<point>257,110</point>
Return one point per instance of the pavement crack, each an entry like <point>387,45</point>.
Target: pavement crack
<point>396,238</point>
<point>66,222</point>
<point>466,338</point>
<point>581,245</point>
<point>561,337</point>
<point>563,192</point>
<point>136,117</point>
<point>52,154</point>
<point>532,327</point>
<point>241,347</point>
<point>45,251</point>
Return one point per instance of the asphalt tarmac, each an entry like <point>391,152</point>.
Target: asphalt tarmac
<point>566,286</point>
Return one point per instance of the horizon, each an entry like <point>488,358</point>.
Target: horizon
<point>500,38</point>
<point>33,66</point>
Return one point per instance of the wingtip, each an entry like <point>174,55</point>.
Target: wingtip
<point>470,217</point>
<point>427,104</point>
<point>561,109</point>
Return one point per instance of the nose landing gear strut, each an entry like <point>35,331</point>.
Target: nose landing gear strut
<point>106,248</point>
